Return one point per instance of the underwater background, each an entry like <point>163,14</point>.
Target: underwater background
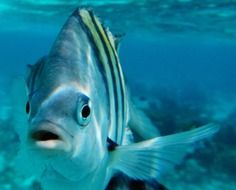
<point>179,59</point>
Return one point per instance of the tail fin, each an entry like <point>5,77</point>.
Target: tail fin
<point>150,158</point>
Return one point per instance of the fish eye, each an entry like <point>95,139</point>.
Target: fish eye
<point>27,107</point>
<point>84,114</point>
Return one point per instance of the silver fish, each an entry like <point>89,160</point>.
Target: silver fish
<point>80,116</point>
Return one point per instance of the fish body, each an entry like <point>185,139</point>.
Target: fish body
<point>80,116</point>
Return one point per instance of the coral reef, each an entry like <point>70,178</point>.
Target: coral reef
<point>212,165</point>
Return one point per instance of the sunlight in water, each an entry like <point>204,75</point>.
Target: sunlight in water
<point>179,61</point>
<point>162,17</point>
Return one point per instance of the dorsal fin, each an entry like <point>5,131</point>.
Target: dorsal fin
<point>117,40</point>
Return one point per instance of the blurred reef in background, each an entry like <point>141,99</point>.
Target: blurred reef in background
<point>211,166</point>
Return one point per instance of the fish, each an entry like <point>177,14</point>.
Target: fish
<point>81,121</point>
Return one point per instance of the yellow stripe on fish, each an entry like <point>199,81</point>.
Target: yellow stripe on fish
<point>113,74</point>
<point>119,79</point>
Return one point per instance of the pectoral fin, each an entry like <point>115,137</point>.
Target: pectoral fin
<point>149,159</point>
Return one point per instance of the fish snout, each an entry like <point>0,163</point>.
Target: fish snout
<point>49,136</point>
<point>44,135</point>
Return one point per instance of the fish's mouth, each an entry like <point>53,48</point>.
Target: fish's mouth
<point>43,135</point>
<point>50,137</point>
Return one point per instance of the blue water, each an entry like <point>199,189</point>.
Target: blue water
<point>179,62</point>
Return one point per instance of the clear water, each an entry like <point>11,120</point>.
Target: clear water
<point>180,65</point>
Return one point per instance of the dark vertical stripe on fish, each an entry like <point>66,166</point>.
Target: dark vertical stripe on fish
<point>115,67</point>
<point>121,79</point>
<point>114,77</point>
<point>99,51</point>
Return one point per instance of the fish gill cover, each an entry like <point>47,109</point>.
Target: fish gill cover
<point>179,61</point>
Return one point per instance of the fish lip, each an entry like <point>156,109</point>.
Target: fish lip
<point>50,136</point>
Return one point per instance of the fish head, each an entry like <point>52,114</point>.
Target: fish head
<point>60,118</point>
<point>67,110</point>
<point>64,132</point>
